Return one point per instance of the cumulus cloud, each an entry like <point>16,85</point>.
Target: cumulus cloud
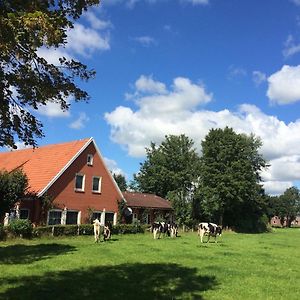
<point>80,122</point>
<point>113,166</point>
<point>176,110</point>
<point>236,72</point>
<point>53,110</point>
<point>284,85</point>
<point>197,2</point>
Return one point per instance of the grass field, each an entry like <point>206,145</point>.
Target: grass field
<point>239,266</point>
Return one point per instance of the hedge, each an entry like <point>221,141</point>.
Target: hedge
<point>86,229</point>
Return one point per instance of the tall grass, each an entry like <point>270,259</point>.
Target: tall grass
<point>239,266</point>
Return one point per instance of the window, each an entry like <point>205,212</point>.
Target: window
<point>72,217</point>
<point>109,218</point>
<point>54,217</point>
<point>24,213</point>
<point>90,159</point>
<point>79,182</point>
<point>96,215</point>
<point>97,184</point>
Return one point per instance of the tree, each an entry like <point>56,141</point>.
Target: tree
<point>28,80</point>
<point>121,181</point>
<point>230,189</point>
<point>13,186</point>
<point>170,170</point>
<point>288,206</point>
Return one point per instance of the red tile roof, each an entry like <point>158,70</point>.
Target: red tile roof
<point>42,164</point>
<point>146,200</point>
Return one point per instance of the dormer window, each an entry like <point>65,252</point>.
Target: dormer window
<point>90,159</point>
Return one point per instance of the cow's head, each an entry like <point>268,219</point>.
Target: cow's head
<point>219,230</point>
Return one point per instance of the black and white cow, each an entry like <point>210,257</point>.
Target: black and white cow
<point>209,229</point>
<point>167,229</point>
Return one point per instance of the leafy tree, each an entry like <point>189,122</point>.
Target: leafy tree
<point>28,80</point>
<point>171,170</point>
<point>13,187</point>
<point>121,181</point>
<point>230,192</point>
<point>288,206</point>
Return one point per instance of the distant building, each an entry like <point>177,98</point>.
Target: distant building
<point>148,207</point>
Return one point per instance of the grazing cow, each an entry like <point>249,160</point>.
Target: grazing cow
<point>209,229</point>
<point>157,229</point>
<point>97,225</point>
<point>173,230</point>
<point>167,229</point>
<point>106,233</point>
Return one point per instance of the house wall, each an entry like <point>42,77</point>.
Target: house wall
<point>64,194</point>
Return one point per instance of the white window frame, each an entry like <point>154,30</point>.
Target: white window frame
<point>90,159</point>
<point>99,184</point>
<point>83,183</point>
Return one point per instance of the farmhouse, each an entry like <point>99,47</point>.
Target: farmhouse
<point>147,207</point>
<point>73,176</point>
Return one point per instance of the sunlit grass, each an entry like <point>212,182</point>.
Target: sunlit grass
<point>239,266</point>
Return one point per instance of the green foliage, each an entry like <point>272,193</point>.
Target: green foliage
<point>121,181</point>
<point>26,79</point>
<point>287,206</point>
<point>86,229</point>
<point>171,171</point>
<point>2,233</point>
<point>20,228</point>
<point>230,192</point>
<point>13,186</point>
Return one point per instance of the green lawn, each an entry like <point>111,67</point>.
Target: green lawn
<point>239,266</point>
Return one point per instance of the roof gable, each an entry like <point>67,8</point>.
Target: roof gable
<point>45,164</point>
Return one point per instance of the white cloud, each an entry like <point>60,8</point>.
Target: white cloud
<point>147,84</point>
<point>113,166</point>
<point>97,23</point>
<point>145,41</point>
<point>258,77</point>
<point>197,2</point>
<point>177,112</point>
<point>84,41</point>
<point>284,85</point>
<point>52,55</point>
<point>275,188</point>
<point>291,47</point>
<point>236,72</point>
<point>53,110</point>
<point>80,122</point>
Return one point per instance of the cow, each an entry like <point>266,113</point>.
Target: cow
<point>106,233</point>
<point>173,230</point>
<point>167,229</point>
<point>209,229</point>
<point>97,226</point>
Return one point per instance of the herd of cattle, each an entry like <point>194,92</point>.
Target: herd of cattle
<point>160,229</point>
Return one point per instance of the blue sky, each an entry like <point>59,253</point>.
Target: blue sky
<point>185,66</point>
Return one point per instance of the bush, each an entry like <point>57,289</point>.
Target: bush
<point>20,228</point>
<point>2,233</point>
<point>86,229</point>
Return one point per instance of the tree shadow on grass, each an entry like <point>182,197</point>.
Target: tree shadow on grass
<point>26,254</point>
<point>126,281</point>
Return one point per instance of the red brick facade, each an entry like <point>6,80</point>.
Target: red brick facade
<point>77,204</point>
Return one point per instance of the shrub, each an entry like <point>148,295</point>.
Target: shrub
<point>20,228</point>
<point>2,233</point>
<point>86,229</point>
